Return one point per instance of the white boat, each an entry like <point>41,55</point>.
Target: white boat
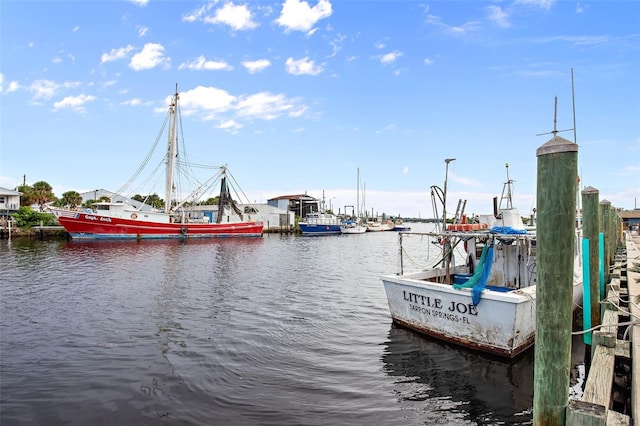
<point>353,224</point>
<point>487,301</point>
<point>376,224</point>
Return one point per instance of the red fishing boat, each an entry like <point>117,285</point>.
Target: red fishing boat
<point>188,218</point>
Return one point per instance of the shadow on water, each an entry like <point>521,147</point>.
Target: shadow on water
<point>483,390</point>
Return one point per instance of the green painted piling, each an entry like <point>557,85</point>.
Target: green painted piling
<point>556,211</point>
<point>601,263</point>
<point>590,229</point>
<point>605,207</point>
<point>586,292</point>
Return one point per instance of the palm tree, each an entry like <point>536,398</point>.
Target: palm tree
<point>71,199</point>
<point>42,193</point>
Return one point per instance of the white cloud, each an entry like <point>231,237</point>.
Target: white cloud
<point>230,125</point>
<point>151,56</point>
<point>298,111</point>
<point>133,102</point>
<point>116,54</point>
<point>542,4</point>
<point>467,27</point>
<point>141,3</point>
<point>43,89</point>
<point>142,31</point>
<point>297,15</point>
<point>264,105</point>
<point>205,98</point>
<point>74,102</point>
<point>197,14</point>
<point>256,66</point>
<point>498,16</point>
<point>428,61</point>
<point>302,66</point>
<point>210,103</point>
<point>390,57</point>
<point>238,17</point>
<point>12,87</point>
<point>405,170</point>
<point>200,63</point>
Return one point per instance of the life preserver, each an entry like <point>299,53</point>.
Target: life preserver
<point>134,216</point>
<point>184,230</point>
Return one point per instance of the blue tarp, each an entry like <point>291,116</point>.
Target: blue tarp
<point>506,230</point>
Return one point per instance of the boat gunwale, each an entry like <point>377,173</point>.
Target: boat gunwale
<point>515,296</point>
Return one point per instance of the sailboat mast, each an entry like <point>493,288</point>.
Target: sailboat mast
<point>358,194</point>
<point>172,152</point>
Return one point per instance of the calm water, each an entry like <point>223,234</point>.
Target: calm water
<point>281,330</point>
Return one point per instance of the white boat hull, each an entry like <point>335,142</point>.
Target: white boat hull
<point>503,323</point>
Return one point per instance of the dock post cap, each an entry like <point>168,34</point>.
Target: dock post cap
<point>555,145</point>
<point>590,190</point>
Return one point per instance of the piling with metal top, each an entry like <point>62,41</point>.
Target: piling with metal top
<point>590,228</point>
<point>556,211</point>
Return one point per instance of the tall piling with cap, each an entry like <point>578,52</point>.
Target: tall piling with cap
<point>556,210</point>
<point>591,227</point>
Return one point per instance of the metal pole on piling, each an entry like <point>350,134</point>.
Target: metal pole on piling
<point>556,210</point>
<point>590,214</point>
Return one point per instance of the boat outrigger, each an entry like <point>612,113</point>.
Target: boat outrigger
<point>177,219</point>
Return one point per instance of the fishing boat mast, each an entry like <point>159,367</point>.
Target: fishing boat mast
<point>444,195</point>
<point>172,152</point>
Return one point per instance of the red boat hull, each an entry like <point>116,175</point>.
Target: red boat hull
<point>82,225</point>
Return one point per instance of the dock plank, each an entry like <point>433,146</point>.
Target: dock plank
<point>633,287</point>
<point>600,381</point>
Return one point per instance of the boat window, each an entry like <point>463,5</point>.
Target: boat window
<point>102,207</point>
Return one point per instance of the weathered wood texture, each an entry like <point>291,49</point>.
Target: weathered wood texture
<point>600,381</point>
<point>556,206</point>
<point>633,287</point>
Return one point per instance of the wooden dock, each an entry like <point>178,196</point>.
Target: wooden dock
<point>612,389</point>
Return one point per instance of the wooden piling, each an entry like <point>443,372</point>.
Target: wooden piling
<point>605,207</point>
<point>590,228</point>
<point>556,208</point>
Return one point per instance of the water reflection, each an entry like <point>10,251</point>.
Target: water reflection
<point>483,389</point>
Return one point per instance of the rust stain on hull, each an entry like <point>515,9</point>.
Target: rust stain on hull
<point>501,352</point>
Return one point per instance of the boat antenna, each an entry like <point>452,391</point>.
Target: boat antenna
<point>555,119</point>
<point>508,187</point>
<point>573,101</point>
<point>444,197</point>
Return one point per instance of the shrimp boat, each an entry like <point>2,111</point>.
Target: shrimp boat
<point>188,218</point>
<point>481,291</point>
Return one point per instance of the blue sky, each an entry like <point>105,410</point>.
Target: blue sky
<point>296,96</point>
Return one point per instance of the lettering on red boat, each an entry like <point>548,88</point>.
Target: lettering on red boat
<point>100,219</point>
